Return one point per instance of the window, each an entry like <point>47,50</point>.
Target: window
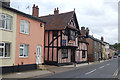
<point>23,50</point>
<point>83,54</point>
<point>95,43</point>
<point>55,33</point>
<point>5,21</point>
<point>4,49</point>
<point>83,39</point>
<point>71,35</point>
<point>64,53</point>
<point>24,26</point>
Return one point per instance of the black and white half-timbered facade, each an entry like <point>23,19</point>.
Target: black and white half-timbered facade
<point>61,38</point>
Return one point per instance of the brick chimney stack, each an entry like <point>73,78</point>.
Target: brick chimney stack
<point>56,11</point>
<point>35,11</point>
<point>5,2</point>
<point>83,31</point>
<point>87,32</point>
<point>102,39</point>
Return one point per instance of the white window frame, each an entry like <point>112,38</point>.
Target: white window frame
<point>5,27</point>
<point>24,26</point>
<point>23,50</point>
<point>4,50</point>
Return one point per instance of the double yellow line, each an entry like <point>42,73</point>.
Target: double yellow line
<point>116,75</point>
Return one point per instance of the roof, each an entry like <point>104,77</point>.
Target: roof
<point>89,36</point>
<point>58,21</point>
<point>95,39</point>
<point>21,13</point>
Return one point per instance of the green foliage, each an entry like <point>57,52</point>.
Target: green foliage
<point>115,46</point>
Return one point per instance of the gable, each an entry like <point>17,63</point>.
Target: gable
<point>59,21</point>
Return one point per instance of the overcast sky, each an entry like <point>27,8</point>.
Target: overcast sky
<point>100,16</point>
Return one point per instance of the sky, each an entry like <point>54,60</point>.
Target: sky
<point>100,16</point>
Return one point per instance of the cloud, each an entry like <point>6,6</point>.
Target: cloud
<point>101,16</point>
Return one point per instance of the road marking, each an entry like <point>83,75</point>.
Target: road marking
<point>107,64</point>
<point>90,71</point>
<point>101,67</point>
<point>18,73</point>
<point>115,74</point>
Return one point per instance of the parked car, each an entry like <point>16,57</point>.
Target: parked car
<point>119,55</point>
<point>115,56</point>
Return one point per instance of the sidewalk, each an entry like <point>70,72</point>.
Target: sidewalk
<point>50,70</point>
<point>26,74</point>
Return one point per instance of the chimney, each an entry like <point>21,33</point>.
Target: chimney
<point>56,11</point>
<point>83,28</point>
<point>102,39</point>
<point>35,11</point>
<point>83,31</point>
<point>5,2</point>
<point>87,32</point>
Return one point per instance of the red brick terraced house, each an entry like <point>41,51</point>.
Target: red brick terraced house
<point>82,49</point>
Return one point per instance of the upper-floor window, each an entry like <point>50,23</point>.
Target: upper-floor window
<point>95,44</point>
<point>83,39</point>
<point>71,35</point>
<point>5,21</point>
<point>24,26</point>
<point>4,49</point>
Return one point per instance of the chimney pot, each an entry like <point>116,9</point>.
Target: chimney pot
<point>37,6</point>
<point>102,39</point>
<point>56,11</point>
<point>33,5</point>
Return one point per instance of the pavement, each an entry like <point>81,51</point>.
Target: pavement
<point>51,70</point>
<point>26,74</point>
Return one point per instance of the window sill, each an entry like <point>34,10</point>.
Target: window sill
<point>23,57</point>
<point>5,30</point>
<point>5,57</point>
<point>24,33</point>
<point>65,58</point>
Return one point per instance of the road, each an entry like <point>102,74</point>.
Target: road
<point>107,69</point>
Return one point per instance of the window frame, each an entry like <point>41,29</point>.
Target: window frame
<point>5,24</point>
<point>4,49</point>
<point>84,54</point>
<point>63,57</point>
<point>71,35</point>
<point>23,51</point>
<point>25,21</point>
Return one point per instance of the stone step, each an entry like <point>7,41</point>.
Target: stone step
<point>41,67</point>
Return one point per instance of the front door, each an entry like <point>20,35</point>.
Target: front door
<point>72,56</point>
<point>38,61</point>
